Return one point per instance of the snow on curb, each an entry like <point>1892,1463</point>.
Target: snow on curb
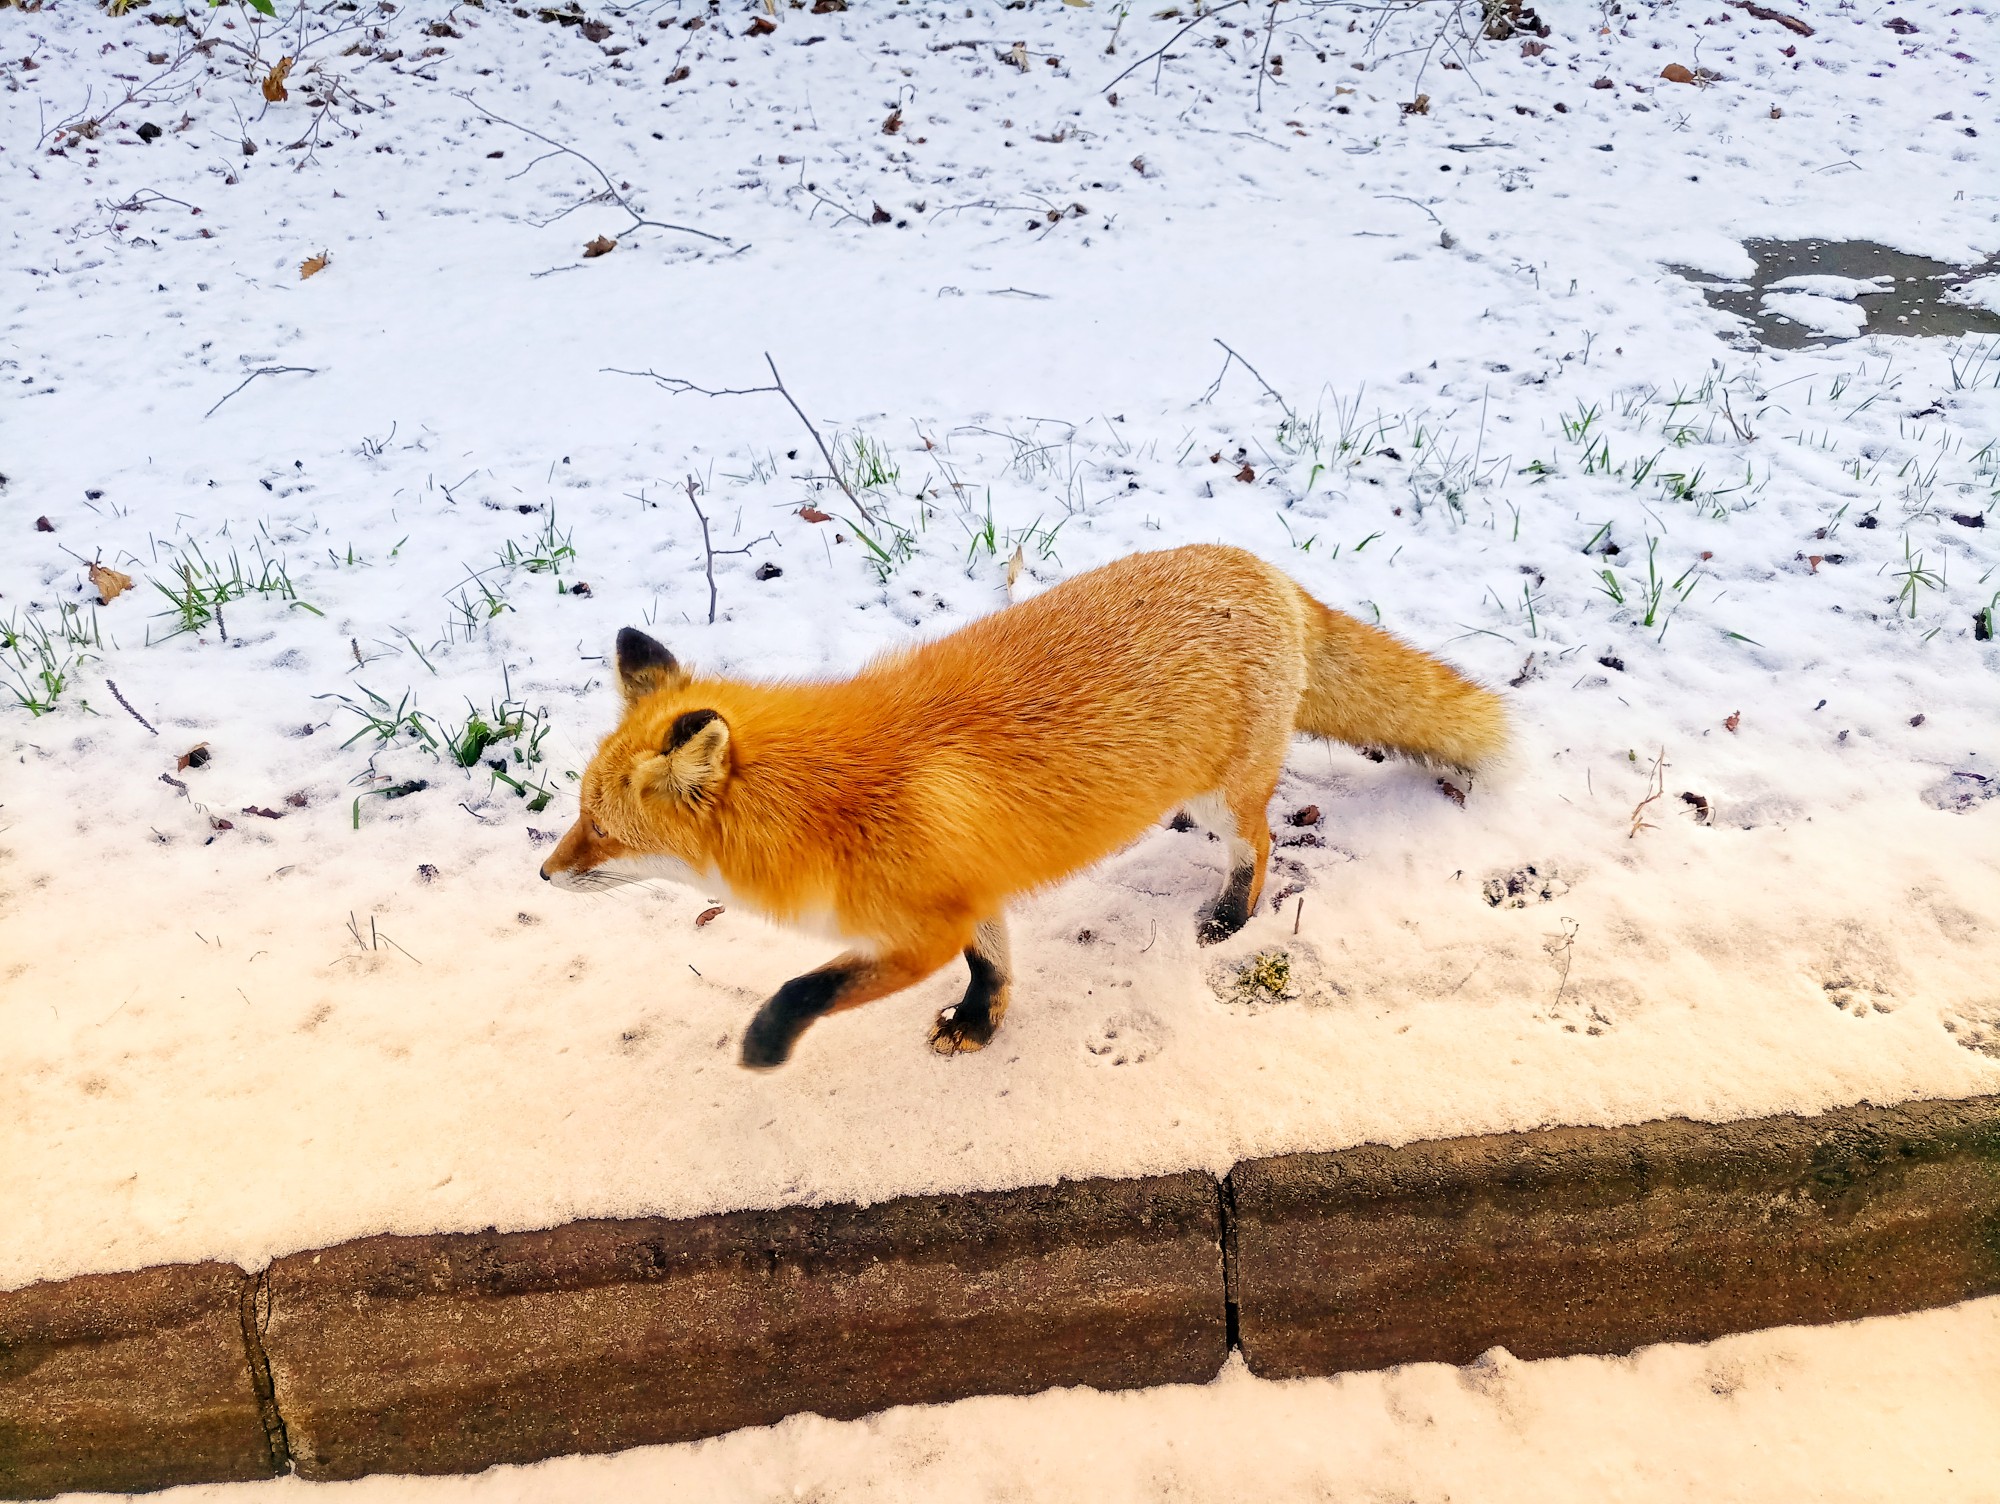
<point>454,1352</point>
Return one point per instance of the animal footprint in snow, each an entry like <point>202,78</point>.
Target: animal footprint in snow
<point>1977,1027</point>
<point>1858,997</point>
<point>1523,886</point>
<point>1131,1037</point>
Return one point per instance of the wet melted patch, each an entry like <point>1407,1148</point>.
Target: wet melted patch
<point>1813,292</point>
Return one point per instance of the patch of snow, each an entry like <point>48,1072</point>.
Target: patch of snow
<point>1824,314</point>
<point>313,987</point>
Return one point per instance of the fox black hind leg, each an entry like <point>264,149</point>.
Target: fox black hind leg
<point>969,1024</point>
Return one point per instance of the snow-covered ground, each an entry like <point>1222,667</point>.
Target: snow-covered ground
<point>284,997</point>
<point>1897,1408</point>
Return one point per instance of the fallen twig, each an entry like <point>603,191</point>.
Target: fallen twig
<point>677,385</point>
<point>610,192</point>
<point>1216,385</point>
<point>710,550</point>
<point>1161,51</point>
<point>261,371</point>
<point>1558,947</point>
<point>1264,62</point>
<point>1765,13</point>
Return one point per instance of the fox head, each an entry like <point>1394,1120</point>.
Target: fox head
<point>647,805</point>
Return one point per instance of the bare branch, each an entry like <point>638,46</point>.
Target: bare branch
<point>1216,385</point>
<point>1161,51</point>
<point>610,191</point>
<point>709,550</point>
<point>261,371</point>
<point>1264,62</point>
<point>679,385</point>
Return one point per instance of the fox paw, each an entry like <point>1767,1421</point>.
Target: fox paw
<point>1218,927</point>
<point>960,1030</point>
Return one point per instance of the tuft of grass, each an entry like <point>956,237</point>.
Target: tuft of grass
<point>864,463</point>
<point>482,733</point>
<point>386,722</point>
<point>470,612</point>
<point>1578,428</point>
<point>984,536</point>
<point>1975,364</point>
<point>549,551</point>
<point>505,738</point>
<point>890,548</point>
<point>1915,578</point>
<point>1680,485</point>
<point>1041,539</point>
<point>1300,435</point>
<point>38,658</point>
<point>1305,546</point>
<point>200,588</point>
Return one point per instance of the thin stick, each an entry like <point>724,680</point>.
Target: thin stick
<point>610,191</point>
<point>832,468</point>
<point>113,683</point>
<point>709,550</point>
<point>1264,63</point>
<point>678,384</point>
<point>1216,385</point>
<point>260,371</point>
<point>1161,51</point>
<point>1559,948</point>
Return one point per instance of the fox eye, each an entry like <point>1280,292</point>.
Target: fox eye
<point>598,831</point>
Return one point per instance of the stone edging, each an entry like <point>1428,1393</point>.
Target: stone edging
<point>452,1352</point>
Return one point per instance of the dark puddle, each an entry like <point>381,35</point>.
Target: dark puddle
<point>1910,299</point>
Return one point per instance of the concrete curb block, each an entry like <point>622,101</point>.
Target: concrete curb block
<point>1603,1240</point>
<point>453,1352</point>
<point>450,1353</point>
<point>129,1381</point>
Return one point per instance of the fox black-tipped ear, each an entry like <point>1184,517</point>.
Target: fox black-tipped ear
<point>644,665</point>
<point>694,759</point>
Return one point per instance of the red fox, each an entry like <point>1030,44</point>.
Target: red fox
<point>902,808</point>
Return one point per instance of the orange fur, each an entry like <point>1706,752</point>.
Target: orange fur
<point>908,804</point>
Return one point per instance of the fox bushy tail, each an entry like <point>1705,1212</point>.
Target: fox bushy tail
<point>1366,688</point>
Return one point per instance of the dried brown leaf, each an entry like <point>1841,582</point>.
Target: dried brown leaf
<point>274,81</point>
<point>603,245</point>
<point>111,583</point>
<point>196,756</point>
<point>312,266</point>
